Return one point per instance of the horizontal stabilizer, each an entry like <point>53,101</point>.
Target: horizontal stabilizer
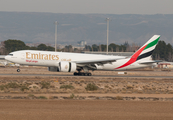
<point>150,62</point>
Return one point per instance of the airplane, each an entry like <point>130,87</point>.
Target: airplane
<point>78,62</point>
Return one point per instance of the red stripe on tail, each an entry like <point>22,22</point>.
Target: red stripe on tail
<point>133,58</point>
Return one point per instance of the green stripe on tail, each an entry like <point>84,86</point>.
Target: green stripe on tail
<point>152,43</point>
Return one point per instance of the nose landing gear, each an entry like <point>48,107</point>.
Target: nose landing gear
<point>18,70</point>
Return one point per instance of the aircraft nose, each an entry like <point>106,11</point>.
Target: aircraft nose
<point>6,57</point>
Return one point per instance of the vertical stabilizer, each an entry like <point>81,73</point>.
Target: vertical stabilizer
<point>144,52</point>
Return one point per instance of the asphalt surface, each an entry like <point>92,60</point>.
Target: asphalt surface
<point>67,75</point>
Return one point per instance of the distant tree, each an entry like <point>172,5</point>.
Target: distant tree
<point>77,50</point>
<point>113,47</point>
<point>163,51</point>
<point>69,48</point>
<point>95,47</point>
<point>33,48</point>
<point>122,48</point>
<point>42,47</point>
<point>14,45</point>
<point>117,48</point>
<point>103,47</point>
<point>87,48</point>
<point>49,48</point>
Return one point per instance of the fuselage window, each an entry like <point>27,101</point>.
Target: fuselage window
<point>10,54</point>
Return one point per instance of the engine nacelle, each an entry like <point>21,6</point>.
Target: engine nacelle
<point>53,69</point>
<point>67,67</point>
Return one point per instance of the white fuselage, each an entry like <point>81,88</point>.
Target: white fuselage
<point>52,59</point>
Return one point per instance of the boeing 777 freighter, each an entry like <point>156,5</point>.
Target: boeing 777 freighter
<point>78,62</point>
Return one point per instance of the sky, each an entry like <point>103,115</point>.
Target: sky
<point>90,6</point>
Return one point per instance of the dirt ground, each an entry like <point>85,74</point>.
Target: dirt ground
<point>84,110</point>
<point>36,109</point>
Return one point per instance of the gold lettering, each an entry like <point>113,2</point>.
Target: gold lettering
<point>69,60</point>
<point>46,57</point>
<point>27,55</point>
<point>42,56</point>
<point>39,56</point>
<point>49,56</point>
<point>57,57</point>
<point>34,56</point>
<point>53,57</point>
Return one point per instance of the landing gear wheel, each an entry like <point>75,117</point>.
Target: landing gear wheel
<point>89,74</point>
<point>82,74</point>
<point>18,70</point>
<point>76,73</point>
<point>85,74</point>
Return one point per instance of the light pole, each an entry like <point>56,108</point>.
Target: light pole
<point>107,19</point>
<point>56,23</point>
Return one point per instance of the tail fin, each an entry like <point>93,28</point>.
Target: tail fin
<point>147,49</point>
<point>144,52</point>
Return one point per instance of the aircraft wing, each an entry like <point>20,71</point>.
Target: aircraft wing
<point>104,61</point>
<point>2,57</point>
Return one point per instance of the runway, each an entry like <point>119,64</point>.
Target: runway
<point>95,76</point>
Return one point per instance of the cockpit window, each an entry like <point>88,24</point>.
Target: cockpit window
<point>10,54</point>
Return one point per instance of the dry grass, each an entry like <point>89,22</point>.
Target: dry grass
<point>140,92</point>
<point>119,98</point>
<point>104,85</point>
<point>170,92</point>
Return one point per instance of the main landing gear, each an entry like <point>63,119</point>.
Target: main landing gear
<point>82,74</point>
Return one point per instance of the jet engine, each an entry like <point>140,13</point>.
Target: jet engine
<point>67,67</point>
<point>64,67</point>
